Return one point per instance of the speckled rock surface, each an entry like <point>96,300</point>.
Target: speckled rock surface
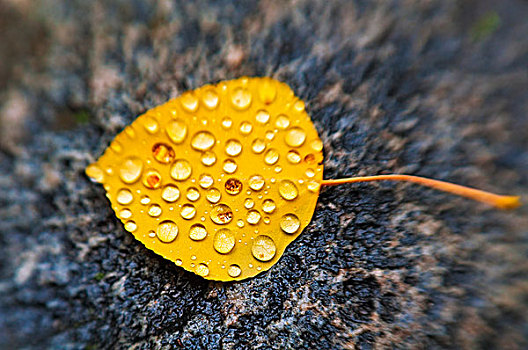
<point>435,88</point>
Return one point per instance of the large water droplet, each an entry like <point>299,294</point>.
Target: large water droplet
<point>268,206</point>
<point>167,231</point>
<point>210,99</point>
<point>295,137</point>
<point>290,223</point>
<point>130,169</point>
<point>246,128</point>
<point>197,232</point>
<point>258,146</point>
<point>234,271</point>
<point>293,157</point>
<point>130,226</point>
<point>221,214</point>
<point>224,241</point>
<point>170,193</point>
<point>288,190</point>
<point>213,195</point>
<point>203,141</point>
<point>256,182</point>
<point>271,157</point>
<point>176,131</point>
<point>230,166</point>
<point>282,122</point>
<point>189,101</point>
<point>233,186</point>
<point>150,124</point>
<point>241,98</point>
<point>154,210</point>
<point>95,173</point>
<point>202,270</point>
<point>181,170</point>
<point>263,248</point>
<point>152,179</point>
<point>262,116</point>
<point>253,217</point>
<point>163,153</point>
<point>193,194</point>
<point>124,197</point>
<point>205,181</point>
<point>267,91</point>
<point>188,211</point>
<point>233,148</point>
<point>208,158</point>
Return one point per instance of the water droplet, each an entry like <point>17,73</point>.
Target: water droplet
<point>256,182</point>
<point>210,99</point>
<point>227,122</point>
<point>263,248</point>
<point>230,166</point>
<point>290,223</point>
<point>246,128</point>
<point>95,173</point>
<point>282,122</point>
<point>178,262</point>
<point>271,157</point>
<point>266,220</point>
<point>176,131</point>
<point>317,145</point>
<point>270,135</point>
<point>288,190</point>
<point>188,211</point>
<point>213,195</point>
<point>233,148</point>
<point>163,153</point>
<point>234,271</point>
<point>152,179</point>
<point>125,214</point>
<point>116,146</point>
<point>167,231</point>
<point>144,200</point>
<point>267,91</point>
<point>189,101</point>
<point>208,158</point>
<point>310,173</point>
<point>181,170</point>
<point>152,234</point>
<point>130,169</point>
<point>205,181</point>
<point>268,206</point>
<point>124,197</point>
<point>130,132</point>
<point>221,214</point>
<point>170,193</point>
<point>202,270</point>
<point>262,116</point>
<point>233,186</point>
<point>150,124</point>
<point>193,194</point>
<point>295,137</point>
<point>197,232</point>
<point>130,226</point>
<point>203,141</point>
<point>258,146</point>
<point>298,106</point>
<point>310,158</point>
<point>154,210</point>
<point>241,98</point>
<point>313,186</point>
<point>293,157</point>
<point>249,203</point>
<point>253,217</point>
<point>224,241</point>
<point>278,169</point>
<point>240,223</point>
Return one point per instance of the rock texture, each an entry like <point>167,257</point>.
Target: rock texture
<point>435,88</point>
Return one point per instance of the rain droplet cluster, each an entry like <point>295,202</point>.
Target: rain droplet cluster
<point>219,180</point>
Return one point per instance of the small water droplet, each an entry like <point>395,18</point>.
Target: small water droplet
<point>152,179</point>
<point>167,231</point>
<point>227,122</point>
<point>317,145</point>
<point>271,157</point>
<point>288,190</point>
<point>95,173</point>
<point>170,193</point>
<point>263,248</point>
<point>230,166</point>
<point>293,157</point>
<point>144,200</point>
<point>249,203</point>
<point>309,158</point>
<point>267,91</point>
<point>256,182</point>
<point>241,98</point>
<point>234,271</point>
<point>278,169</point>
<point>124,197</point>
<point>197,232</point>
<point>193,194</point>
<point>240,223</point>
<point>282,122</point>
<point>253,217</point>
<point>154,210</point>
<point>233,148</point>
<point>206,180</point>
<point>130,226</point>
<point>150,124</point>
<point>298,106</point>
<point>310,172</point>
<point>213,195</point>
<point>295,137</point>
<point>152,234</point>
<point>224,241</point>
<point>258,146</point>
<point>189,101</point>
<point>116,147</point>
<point>270,135</point>
<point>210,99</point>
<point>233,186</point>
<point>203,141</point>
<point>290,223</point>
<point>163,153</point>
<point>266,220</point>
<point>130,132</point>
<point>221,214</point>
<point>268,206</point>
<point>262,116</point>
<point>188,211</point>
<point>246,128</point>
<point>176,131</point>
<point>202,270</point>
<point>313,186</point>
<point>125,214</point>
<point>181,170</point>
<point>178,262</point>
<point>130,169</point>
<point>208,158</point>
